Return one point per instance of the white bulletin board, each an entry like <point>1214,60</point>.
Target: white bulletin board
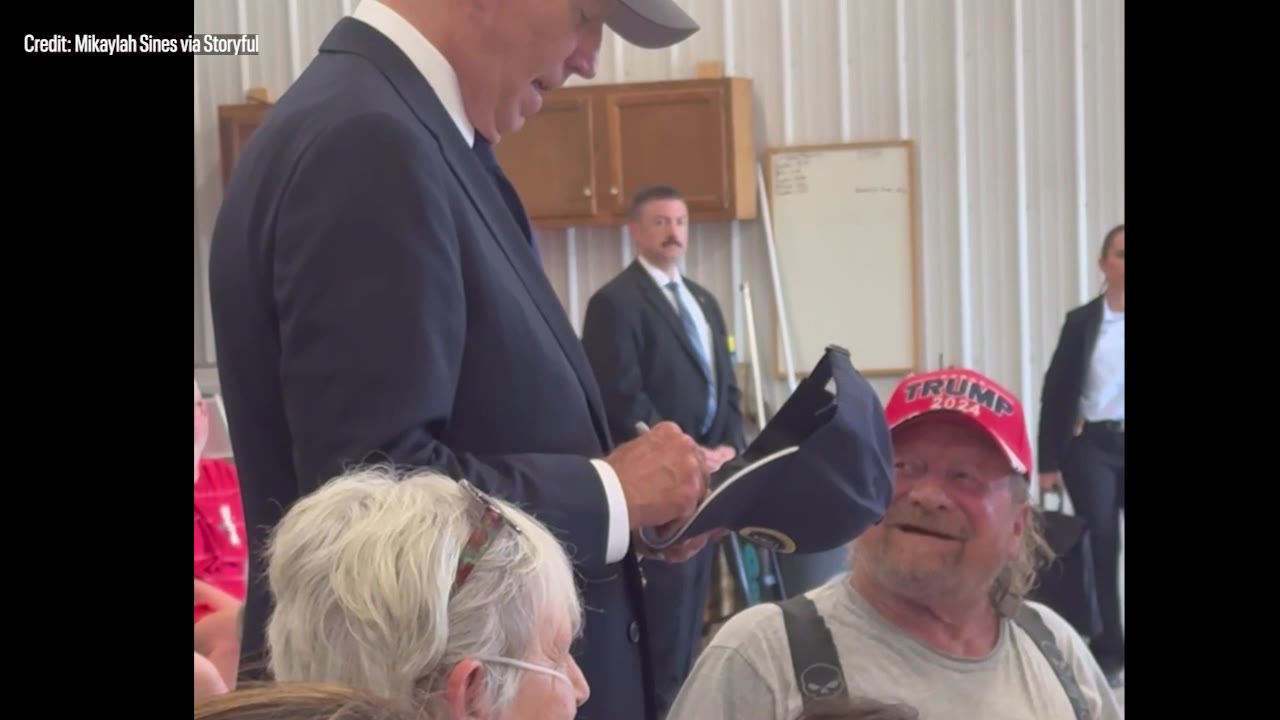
<point>844,225</point>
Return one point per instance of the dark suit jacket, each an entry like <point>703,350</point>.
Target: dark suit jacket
<point>649,371</point>
<point>647,368</point>
<point>374,299</point>
<point>1064,383</point>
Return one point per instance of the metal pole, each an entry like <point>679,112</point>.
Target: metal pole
<point>753,353</point>
<point>766,218</point>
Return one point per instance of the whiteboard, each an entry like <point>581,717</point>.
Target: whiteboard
<point>844,228</point>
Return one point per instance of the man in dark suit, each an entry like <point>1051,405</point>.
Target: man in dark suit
<point>660,350</point>
<point>377,296</point>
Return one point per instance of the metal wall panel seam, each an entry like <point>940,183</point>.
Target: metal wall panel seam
<point>242,28</point>
<point>735,227</point>
<point>571,277</point>
<point>619,52</point>
<point>842,50</point>
<point>962,177</point>
<point>788,107</point>
<point>1020,189</point>
<point>295,41</point>
<point>1082,179</point>
<point>197,164</point>
<point>900,30</point>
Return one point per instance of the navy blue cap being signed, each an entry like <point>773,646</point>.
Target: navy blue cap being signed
<point>819,474</point>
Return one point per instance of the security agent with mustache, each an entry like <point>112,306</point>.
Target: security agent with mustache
<point>659,347</point>
<point>933,613</point>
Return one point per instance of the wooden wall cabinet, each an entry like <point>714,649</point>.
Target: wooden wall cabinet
<point>580,160</point>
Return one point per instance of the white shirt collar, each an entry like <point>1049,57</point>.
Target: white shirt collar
<point>425,57</point>
<point>1109,315</point>
<point>660,276</point>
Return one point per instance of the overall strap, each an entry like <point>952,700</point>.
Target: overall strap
<point>1033,625</point>
<point>818,672</point>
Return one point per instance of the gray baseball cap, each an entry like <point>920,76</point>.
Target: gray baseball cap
<point>651,24</point>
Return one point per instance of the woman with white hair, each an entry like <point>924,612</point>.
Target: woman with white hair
<point>422,588</point>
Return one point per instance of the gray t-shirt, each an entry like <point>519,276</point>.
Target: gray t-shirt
<point>746,673</point>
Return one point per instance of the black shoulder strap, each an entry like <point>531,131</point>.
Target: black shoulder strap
<point>1031,623</point>
<point>819,674</point>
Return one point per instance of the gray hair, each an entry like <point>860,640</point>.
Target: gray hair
<point>1019,578</point>
<point>362,573</point>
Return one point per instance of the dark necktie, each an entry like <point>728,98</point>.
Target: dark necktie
<point>484,150</point>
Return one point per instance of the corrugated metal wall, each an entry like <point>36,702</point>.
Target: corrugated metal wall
<point>1016,106</point>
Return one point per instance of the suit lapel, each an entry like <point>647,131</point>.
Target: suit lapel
<point>504,230</point>
<point>660,301</point>
<point>353,36</point>
<point>1092,324</point>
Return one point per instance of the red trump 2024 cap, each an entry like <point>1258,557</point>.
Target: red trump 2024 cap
<point>970,394</point>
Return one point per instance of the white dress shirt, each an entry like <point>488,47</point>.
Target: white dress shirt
<point>695,308</point>
<point>444,81</point>
<point>1103,397</point>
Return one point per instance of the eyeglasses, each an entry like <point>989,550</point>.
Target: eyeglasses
<point>526,666</point>
<point>492,520</point>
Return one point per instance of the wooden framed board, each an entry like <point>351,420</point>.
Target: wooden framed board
<point>847,245</point>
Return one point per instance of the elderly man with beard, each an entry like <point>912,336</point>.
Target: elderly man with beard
<point>932,613</point>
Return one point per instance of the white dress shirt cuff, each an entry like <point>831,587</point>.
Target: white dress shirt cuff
<point>619,532</point>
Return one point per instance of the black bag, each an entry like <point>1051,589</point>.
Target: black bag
<point>1069,584</point>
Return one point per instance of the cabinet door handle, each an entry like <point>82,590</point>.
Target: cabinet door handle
<point>613,191</point>
<point>586,192</point>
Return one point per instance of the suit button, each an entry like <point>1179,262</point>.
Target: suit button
<point>633,631</point>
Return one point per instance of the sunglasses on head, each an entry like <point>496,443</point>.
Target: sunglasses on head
<point>492,521</point>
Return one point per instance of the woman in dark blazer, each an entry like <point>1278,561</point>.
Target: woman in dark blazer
<point>1081,443</point>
